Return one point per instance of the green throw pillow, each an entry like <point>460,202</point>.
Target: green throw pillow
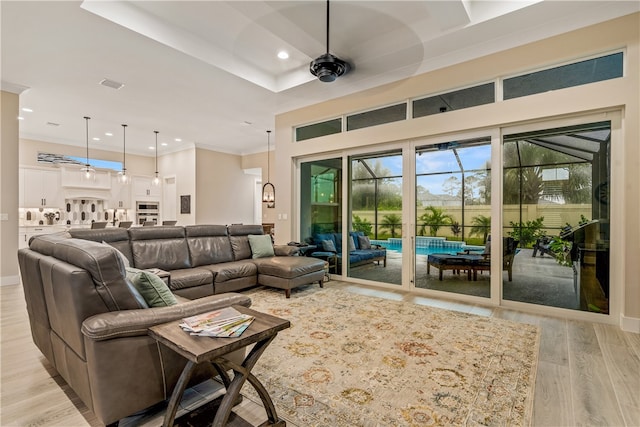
<point>261,246</point>
<point>152,288</point>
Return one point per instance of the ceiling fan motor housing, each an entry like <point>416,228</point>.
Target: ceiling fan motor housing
<point>328,67</point>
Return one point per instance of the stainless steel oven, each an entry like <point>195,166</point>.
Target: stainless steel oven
<point>147,212</point>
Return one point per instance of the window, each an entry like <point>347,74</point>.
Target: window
<point>380,116</point>
<point>457,100</point>
<point>579,73</point>
<point>328,127</point>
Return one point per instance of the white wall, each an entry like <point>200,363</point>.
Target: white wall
<point>225,194</point>
<point>181,164</point>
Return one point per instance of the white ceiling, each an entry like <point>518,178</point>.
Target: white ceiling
<point>207,71</point>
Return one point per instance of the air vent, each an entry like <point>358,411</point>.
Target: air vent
<point>111,83</point>
<point>53,124</point>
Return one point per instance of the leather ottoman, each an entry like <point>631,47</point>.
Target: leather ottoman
<point>288,272</point>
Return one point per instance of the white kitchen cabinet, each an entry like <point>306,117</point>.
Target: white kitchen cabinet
<point>144,190</point>
<point>72,177</point>
<point>41,188</point>
<point>120,195</point>
<point>26,233</point>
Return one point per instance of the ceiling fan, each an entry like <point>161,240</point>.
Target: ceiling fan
<point>328,67</point>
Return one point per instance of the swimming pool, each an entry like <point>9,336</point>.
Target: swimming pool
<point>429,245</point>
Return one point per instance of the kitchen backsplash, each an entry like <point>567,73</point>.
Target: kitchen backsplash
<point>75,212</point>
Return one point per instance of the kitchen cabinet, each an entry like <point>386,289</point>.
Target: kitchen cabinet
<point>120,195</point>
<point>26,233</point>
<point>72,177</point>
<point>41,188</point>
<point>144,190</point>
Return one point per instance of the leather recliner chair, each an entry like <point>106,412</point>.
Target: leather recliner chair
<point>91,324</point>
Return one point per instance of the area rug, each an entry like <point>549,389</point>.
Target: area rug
<point>354,360</point>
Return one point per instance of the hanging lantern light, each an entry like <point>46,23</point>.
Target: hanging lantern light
<point>122,175</point>
<point>88,173</point>
<point>268,190</point>
<point>156,179</point>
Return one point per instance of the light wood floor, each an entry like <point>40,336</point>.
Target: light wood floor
<point>588,373</point>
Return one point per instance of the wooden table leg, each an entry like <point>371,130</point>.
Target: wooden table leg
<point>176,396</point>
<point>242,374</point>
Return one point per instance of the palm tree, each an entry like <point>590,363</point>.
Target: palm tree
<point>481,226</point>
<point>434,218</point>
<point>391,222</point>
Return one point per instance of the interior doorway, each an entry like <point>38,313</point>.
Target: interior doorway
<point>169,199</point>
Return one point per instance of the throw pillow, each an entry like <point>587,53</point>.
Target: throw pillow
<point>329,246</point>
<point>124,259</point>
<point>261,246</point>
<point>152,288</point>
<point>364,241</point>
<point>351,244</point>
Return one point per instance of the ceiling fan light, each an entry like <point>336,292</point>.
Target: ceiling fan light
<point>327,67</point>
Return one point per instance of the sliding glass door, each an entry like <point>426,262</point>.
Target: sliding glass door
<point>376,215</point>
<point>556,213</point>
<point>523,217</point>
<point>453,216</point>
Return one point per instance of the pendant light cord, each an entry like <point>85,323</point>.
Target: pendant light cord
<point>124,147</point>
<point>86,119</point>
<point>156,132</point>
<point>268,156</point>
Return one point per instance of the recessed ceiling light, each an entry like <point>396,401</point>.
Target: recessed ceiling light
<point>20,118</point>
<point>164,144</point>
<point>283,54</point>
<point>152,147</point>
<point>108,134</point>
<point>27,110</point>
<point>178,140</point>
<point>95,138</point>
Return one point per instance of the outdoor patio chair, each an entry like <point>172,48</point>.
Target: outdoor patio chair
<point>543,245</point>
<point>509,250</point>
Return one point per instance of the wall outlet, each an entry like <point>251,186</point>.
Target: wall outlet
<point>4,217</point>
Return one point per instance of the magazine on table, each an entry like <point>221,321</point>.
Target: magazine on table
<point>226,322</point>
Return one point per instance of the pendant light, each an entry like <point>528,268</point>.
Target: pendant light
<point>156,179</point>
<point>88,173</point>
<point>122,175</point>
<point>268,190</point>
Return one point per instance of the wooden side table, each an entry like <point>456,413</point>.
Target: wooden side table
<point>206,349</point>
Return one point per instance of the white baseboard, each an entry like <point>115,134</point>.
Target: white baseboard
<point>630,324</point>
<point>9,280</point>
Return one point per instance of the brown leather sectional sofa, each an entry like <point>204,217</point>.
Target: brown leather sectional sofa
<point>208,259</point>
<point>91,323</point>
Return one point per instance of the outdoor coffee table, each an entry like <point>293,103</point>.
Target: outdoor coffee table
<point>206,349</point>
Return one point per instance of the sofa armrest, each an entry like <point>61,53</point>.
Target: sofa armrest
<point>130,323</point>
<point>285,250</point>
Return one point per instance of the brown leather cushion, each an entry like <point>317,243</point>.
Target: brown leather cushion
<point>233,270</point>
<point>288,267</point>
<point>190,277</point>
